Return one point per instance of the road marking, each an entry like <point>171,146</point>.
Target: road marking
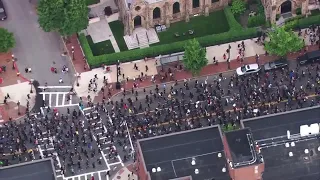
<point>57,99</point>
<point>50,100</point>
<point>70,100</point>
<point>50,87</point>
<point>54,92</point>
<point>67,105</point>
<point>63,99</point>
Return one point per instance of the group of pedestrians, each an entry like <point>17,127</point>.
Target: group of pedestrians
<point>79,141</point>
<point>215,100</point>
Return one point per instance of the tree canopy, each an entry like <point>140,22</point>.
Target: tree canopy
<point>7,40</point>
<point>282,42</point>
<point>64,16</point>
<point>238,7</point>
<point>194,57</point>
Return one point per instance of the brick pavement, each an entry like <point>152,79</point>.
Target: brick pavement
<point>207,70</point>
<point>12,84</point>
<point>77,61</point>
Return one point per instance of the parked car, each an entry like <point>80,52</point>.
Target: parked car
<point>3,14</point>
<point>280,63</point>
<point>309,57</point>
<point>247,69</point>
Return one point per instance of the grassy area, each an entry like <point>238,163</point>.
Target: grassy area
<point>90,2</point>
<point>104,47</point>
<point>215,23</point>
<point>315,12</point>
<point>117,29</point>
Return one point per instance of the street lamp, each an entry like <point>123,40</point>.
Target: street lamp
<point>118,85</point>
<point>18,103</point>
<point>31,83</point>
<point>72,50</point>
<point>77,76</point>
<point>102,89</point>
<point>228,60</point>
<point>13,67</point>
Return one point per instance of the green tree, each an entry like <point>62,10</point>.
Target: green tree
<point>282,42</point>
<point>238,7</point>
<point>194,57</point>
<point>7,40</point>
<point>64,16</point>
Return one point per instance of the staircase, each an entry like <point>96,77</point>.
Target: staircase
<point>153,36</point>
<point>131,42</point>
<point>141,38</point>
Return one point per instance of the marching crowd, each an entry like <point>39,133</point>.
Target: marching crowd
<point>75,139</point>
<point>224,100</point>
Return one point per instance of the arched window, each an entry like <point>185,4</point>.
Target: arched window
<point>156,13</point>
<point>195,3</point>
<point>137,21</point>
<point>176,8</point>
<point>286,7</point>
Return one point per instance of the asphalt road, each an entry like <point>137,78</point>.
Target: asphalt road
<point>34,47</point>
<point>162,103</point>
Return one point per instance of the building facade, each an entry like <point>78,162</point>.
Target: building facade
<point>148,13</point>
<point>277,7</point>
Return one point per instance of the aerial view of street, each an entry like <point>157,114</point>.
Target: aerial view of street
<point>159,90</point>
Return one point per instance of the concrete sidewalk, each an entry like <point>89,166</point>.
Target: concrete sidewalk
<point>252,48</point>
<point>17,92</point>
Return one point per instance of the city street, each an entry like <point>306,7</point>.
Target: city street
<point>35,48</point>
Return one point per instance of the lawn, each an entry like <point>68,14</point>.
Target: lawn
<point>90,2</point>
<point>215,23</point>
<point>117,29</point>
<point>104,47</point>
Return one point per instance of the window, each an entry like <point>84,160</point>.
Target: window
<point>214,1</point>
<point>137,8</point>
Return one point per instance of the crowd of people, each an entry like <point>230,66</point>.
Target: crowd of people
<point>81,140</point>
<point>77,141</point>
<point>215,100</point>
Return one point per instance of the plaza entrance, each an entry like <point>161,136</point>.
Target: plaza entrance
<point>137,21</point>
<point>286,7</point>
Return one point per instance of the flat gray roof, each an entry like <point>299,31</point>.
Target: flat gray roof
<point>271,134</point>
<point>173,153</point>
<point>35,170</point>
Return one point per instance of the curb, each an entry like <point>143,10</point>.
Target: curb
<point>70,59</point>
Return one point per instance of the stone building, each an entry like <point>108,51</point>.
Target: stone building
<point>148,13</point>
<point>281,7</point>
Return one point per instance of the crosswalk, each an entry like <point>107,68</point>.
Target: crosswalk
<point>108,149</point>
<point>58,96</point>
<point>98,175</point>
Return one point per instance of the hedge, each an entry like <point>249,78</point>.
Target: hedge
<point>255,21</point>
<point>233,23</point>
<point>236,33</point>
<point>300,22</point>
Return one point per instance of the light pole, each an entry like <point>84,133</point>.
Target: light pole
<point>118,85</point>
<point>228,60</point>
<point>13,67</point>
<point>72,50</point>
<point>31,83</point>
<point>77,76</point>
<point>102,89</point>
<point>18,103</point>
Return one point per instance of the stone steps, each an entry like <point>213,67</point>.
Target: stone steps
<point>131,42</point>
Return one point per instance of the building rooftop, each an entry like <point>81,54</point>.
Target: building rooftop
<point>174,154</point>
<point>242,147</point>
<point>271,134</point>
<point>35,170</point>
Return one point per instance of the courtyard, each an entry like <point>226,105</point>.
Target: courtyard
<point>215,23</point>
<point>104,47</point>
